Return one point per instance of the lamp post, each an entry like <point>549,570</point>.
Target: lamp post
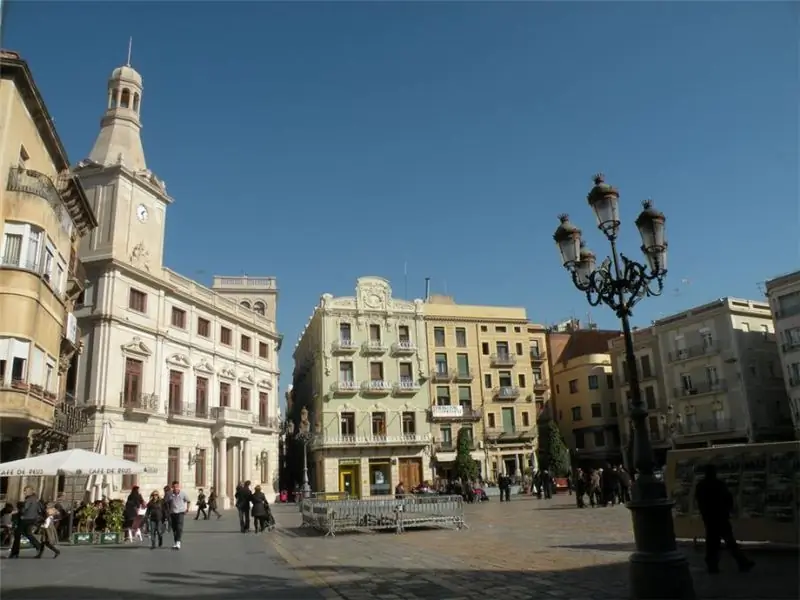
<point>305,437</point>
<point>657,569</point>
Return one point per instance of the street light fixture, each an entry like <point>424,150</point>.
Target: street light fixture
<point>657,569</point>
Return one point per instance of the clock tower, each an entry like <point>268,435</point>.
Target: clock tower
<point>129,200</point>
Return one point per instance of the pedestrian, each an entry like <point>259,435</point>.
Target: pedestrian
<point>201,505</point>
<point>155,519</point>
<point>177,505</point>
<point>243,499</point>
<point>48,533</point>
<point>715,503</point>
<point>130,512</point>
<point>29,514</point>
<point>212,503</point>
<point>260,510</point>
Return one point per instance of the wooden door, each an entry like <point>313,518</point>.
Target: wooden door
<point>410,470</point>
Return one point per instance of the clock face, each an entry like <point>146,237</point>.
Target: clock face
<point>372,300</point>
<point>141,213</point>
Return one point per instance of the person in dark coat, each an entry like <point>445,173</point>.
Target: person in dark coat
<point>243,500</point>
<point>29,514</point>
<point>212,503</point>
<point>131,511</point>
<point>715,503</point>
<point>155,516</point>
<point>260,509</point>
<point>201,505</point>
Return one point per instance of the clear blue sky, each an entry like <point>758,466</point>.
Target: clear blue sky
<point>355,137</point>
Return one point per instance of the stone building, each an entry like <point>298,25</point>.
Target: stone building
<point>784,300</point>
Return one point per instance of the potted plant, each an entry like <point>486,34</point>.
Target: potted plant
<point>85,532</point>
<point>114,520</point>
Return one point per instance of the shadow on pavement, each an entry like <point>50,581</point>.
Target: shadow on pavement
<point>603,582</point>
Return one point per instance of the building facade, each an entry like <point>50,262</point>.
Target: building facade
<point>586,408</point>
<point>186,375</point>
<point>653,389</point>
<point>784,300</point>
<point>359,393</point>
<point>721,369</point>
<point>44,213</point>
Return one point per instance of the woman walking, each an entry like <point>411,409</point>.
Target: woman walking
<point>155,516</point>
<point>212,503</point>
<point>131,512</point>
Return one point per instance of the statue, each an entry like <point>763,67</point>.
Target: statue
<point>305,425</point>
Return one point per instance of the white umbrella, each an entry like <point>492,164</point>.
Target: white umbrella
<point>74,462</point>
<point>101,485</point>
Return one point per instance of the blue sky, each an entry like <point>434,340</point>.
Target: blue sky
<point>358,137</point>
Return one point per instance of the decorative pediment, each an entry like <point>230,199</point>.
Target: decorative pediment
<point>378,407</point>
<point>247,378</point>
<point>227,373</point>
<point>265,384</point>
<point>204,367</point>
<point>345,407</point>
<point>178,360</point>
<point>137,346</point>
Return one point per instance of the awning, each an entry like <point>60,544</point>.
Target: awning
<point>444,457</point>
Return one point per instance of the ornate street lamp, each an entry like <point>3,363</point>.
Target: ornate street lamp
<point>657,569</point>
<point>305,436</point>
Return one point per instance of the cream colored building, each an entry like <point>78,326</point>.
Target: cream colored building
<point>587,410</point>
<point>186,375</point>
<point>655,394</point>
<point>360,369</point>
<point>784,300</point>
<point>43,214</point>
<point>540,368</point>
<point>721,369</point>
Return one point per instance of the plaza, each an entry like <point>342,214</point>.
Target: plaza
<point>524,549</point>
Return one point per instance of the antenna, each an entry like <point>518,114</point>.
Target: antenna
<point>405,280</point>
<point>130,47</point>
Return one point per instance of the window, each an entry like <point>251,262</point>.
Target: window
<point>347,423</point>
<point>461,337</point>
<point>580,442</point>
<point>500,329</point>
<point>200,468</point>
<point>224,394</point>
<point>652,425</point>
<point>16,352</point>
<point>263,407</point>
<point>346,371</point>
<point>647,369</point>
<point>462,360</point>
<point>376,371</point>
<point>712,376</point>
<point>537,375</point>
<point>599,439</point>
<point>539,406</point>
<point>650,397</point>
<point>261,309</point>
<point>441,363</point>
<point>374,333</point>
<point>345,332</point>
<point>485,348</point>
<point>438,337</point>
<point>50,381</point>
<point>201,397</point>
<point>447,435</point>
<point>504,379</point>
<point>491,420</point>
<point>244,399</point>
<point>487,381</point>
<point>465,396</point>
<point>535,351</point>
<point>22,246</point>
<point>597,411</point>
<point>225,336</point>
<point>573,386</point>
<point>521,379</point>
<point>686,382</point>
<point>519,349</point>
<point>409,423</point>
<point>132,385</point>
<point>173,464</point>
<point>245,344</point>
<point>130,452</point>
<point>203,327</point>
<point>442,395</point>
<point>137,300</point>
<point>263,350</point>
<point>379,424</point>
<point>593,383</point>
<point>402,333</point>
<point>576,413</point>
<point>610,381</point>
<point>175,392</point>
<point>468,433</point>
<point>502,349</point>
<point>264,467</point>
<point>406,372</point>
<point>613,409</point>
<point>708,339</point>
<point>178,318</point>
<point>484,328</point>
<point>526,419</point>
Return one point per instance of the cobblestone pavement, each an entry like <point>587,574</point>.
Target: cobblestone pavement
<point>216,561</point>
<point>524,549</point>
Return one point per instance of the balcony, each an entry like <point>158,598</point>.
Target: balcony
<point>344,388</point>
<point>791,345</point>
<point>376,387</point>
<point>691,352</point>
<point>404,348</point>
<point>706,426</point>
<point>506,392</point>
<point>405,387</point>
<point>190,415</point>
<point>76,276</point>
<point>503,360</point>
<point>225,415</point>
<point>139,405</point>
<point>264,422</point>
<point>340,441</point>
<point>540,385</point>
<point>24,405</point>
<point>787,312</point>
<point>538,355</point>
<point>458,412</point>
<point>344,346</point>
<point>448,446</point>
<point>794,381</point>
<point>511,433</point>
<point>441,374</point>
<point>373,347</point>
<point>34,183</point>
<point>702,387</point>
<point>463,376</point>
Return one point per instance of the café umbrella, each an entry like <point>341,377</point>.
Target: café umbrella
<point>70,462</point>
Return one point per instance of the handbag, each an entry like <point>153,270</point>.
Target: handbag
<point>142,512</point>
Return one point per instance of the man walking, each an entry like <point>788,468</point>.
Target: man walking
<point>30,515</point>
<point>177,504</point>
<point>243,499</point>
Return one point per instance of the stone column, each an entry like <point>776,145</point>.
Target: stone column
<point>222,473</point>
<point>246,460</point>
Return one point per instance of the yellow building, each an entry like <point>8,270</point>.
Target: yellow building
<point>481,379</point>
<point>585,406</point>
<point>43,214</point>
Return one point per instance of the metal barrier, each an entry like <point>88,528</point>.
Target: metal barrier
<point>386,513</point>
<point>328,496</point>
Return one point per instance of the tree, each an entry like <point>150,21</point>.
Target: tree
<point>553,454</point>
<point>466,467</point>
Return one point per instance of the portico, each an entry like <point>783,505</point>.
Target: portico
<point>233,461</point>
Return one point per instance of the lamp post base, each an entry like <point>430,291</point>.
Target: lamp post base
<point>658,570</point>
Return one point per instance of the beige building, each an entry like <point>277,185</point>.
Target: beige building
<point>584,395</point>
<point>784,300</point>
<point>652,385</point>
<point>721,370</point>
<point>186,375</point>
<point>540,368</point>
<point>359,388</point>
<point>43,215</point>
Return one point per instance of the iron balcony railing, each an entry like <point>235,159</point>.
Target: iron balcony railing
<point>503,359</point>
<point>702,387</point>
<point>463,375</point>
<point>506,392</point>
<point>226,414</point>
<point>373,347</point>
<point>139,402</point>
<point>404,347</point>
<point>441,374</point>
<point>345,386</point>
<point>406,386</point>
<point>406,439</point>
<point>705,426</point>
<point>538,355</point>
<point>690,352</point>
<point>344,345</point>
<point>376,386</point>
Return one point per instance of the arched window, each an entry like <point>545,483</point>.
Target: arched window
<point>260,308</point>
<point>245,304</point>
<point>113,95</point>
<point>125,98</point>
<point>136,102</point>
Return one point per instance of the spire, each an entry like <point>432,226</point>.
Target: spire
<point>119,140</point>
